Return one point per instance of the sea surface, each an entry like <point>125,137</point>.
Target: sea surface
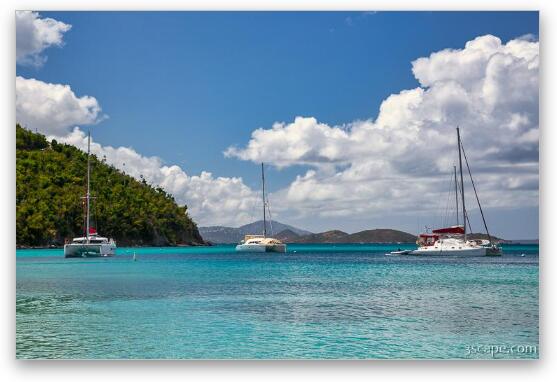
<point>316,301</point>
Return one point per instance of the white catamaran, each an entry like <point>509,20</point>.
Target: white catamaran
<point>90,245</point>
<point>261,243</point>
<point>453,241</point>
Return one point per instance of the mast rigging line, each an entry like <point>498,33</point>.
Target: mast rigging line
<point>467,218</point>
<point>476,193</point>
<point>88,180</point>
<point>447,215</point>
<point>456,193</point>
<point>270,218</point>
<point>266,205</point>
<point>461,181</point>
<point>263,194</point>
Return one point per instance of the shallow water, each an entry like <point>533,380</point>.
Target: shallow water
<point>316,301</point>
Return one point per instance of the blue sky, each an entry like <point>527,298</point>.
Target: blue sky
<point>185,86</point>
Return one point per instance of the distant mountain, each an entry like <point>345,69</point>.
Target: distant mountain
<point>286,236</point>
<point>368,236</point>
<point>523,241</point>
<point>382,236</point>
<point>289,234</point>
<point>273,227</point>
<point>483,236</point>
<point>221,234</point>
<point>334,236</point>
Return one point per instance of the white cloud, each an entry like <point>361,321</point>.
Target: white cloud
<point>53,108</point>
<point>396,163</point>
<point>304,141</point>
<point>56,111</point>
<point>35,34</point>
<point>211,200</point>
<point>400,161</point>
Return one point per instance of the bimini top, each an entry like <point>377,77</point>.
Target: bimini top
<point>455,230</point>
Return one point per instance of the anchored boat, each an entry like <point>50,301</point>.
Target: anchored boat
<point>261,243</point>
<point>450,241</point>
<point>91,244</point>
<point>453,241</point>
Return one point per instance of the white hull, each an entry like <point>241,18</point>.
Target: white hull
<point>261,243</point>
<point>280,248</point>
<point>452,241</point>
<point>89,250</point>
<point>464,252</point>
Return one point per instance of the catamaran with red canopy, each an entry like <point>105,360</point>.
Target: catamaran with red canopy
<point>453,241</point>
<point>447,241</point>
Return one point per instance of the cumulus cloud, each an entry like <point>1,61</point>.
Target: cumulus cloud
<point>305,141</point>
<point>210,200</point>
<point>55,111</point>
<point>400,160</point>
<point>35,34</point>
<point>53,108</point>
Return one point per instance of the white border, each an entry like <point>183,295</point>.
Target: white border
<point>82,371</point>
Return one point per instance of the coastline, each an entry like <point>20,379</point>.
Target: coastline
<point>18,246</point>
<point>212,244</point>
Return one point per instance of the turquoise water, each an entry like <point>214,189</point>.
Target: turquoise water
<point>316,301</point>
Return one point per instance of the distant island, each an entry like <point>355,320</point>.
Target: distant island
<point>289,234</point>
<point>222,234</point>
<point>367,236</point>
<point>50,182</point>
<point>49,210</point>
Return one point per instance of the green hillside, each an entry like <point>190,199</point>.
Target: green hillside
<point>50,180</point>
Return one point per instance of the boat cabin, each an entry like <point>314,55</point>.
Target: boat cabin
<point>259,239</point>
<point>426,239</point>
<point>429,239</point>
<point>93,239</point>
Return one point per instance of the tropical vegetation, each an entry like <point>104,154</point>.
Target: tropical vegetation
<point>50,183</point>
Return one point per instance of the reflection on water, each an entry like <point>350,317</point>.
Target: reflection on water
<point>317,302</point>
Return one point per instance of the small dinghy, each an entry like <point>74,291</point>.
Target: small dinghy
<point>399,252</point>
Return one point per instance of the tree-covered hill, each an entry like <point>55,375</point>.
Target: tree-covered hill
<point>50,181</point>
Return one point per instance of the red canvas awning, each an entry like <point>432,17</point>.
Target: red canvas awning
<point>454,230</point>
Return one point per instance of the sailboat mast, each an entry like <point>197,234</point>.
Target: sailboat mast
<point>264,216</point>
<point>88,196</point>
<point>477,197</point>
<point>461,182</point>
<point>456,194</point>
